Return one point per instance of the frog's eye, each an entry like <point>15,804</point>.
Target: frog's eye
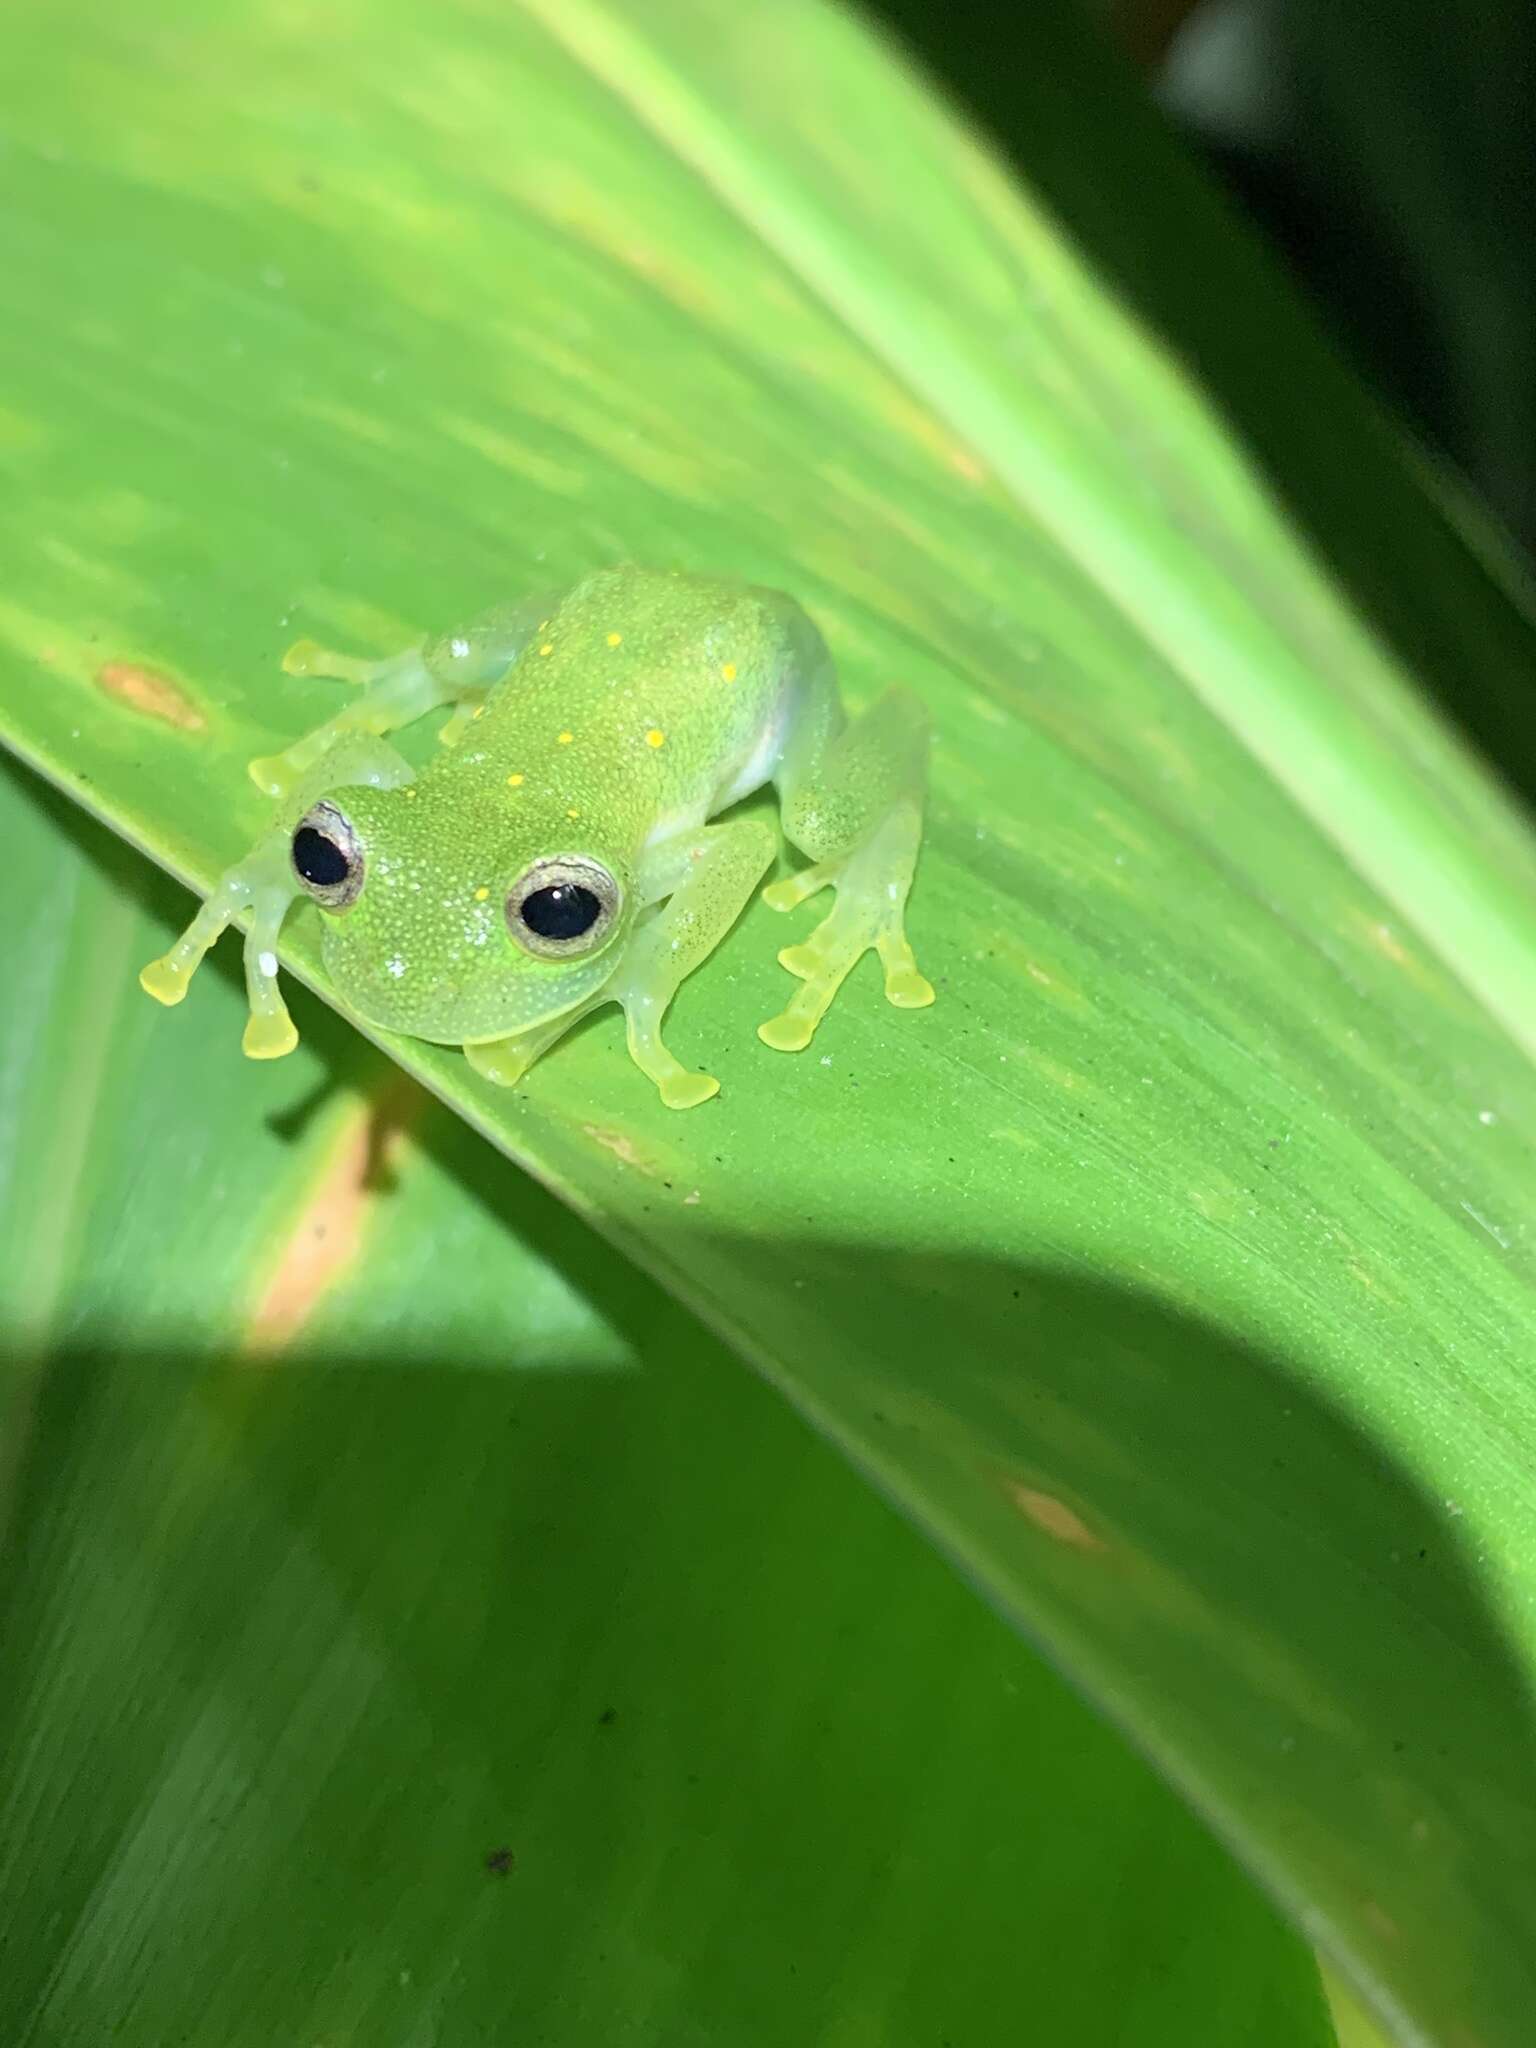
<point>327,858</point>
<point>561,907</point>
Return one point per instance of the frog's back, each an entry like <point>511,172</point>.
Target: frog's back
<point>642,685</point>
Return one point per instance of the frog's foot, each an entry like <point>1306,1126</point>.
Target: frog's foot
<point>258,885</point>
<point>871,885</point>
<point>680,1087</point>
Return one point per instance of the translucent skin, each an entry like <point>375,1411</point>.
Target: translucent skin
<point>608,724</point>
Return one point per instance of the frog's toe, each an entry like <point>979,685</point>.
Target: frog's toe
<point>502,1061</point>
<point>684,1090</point>
<point>905,985</point>
<point>309,658</point>
<point>908,989</point>
<point>824,961</point>
<point>801,960</point>
<point>269,1035</point>
<point>303,659</point>
<point>792,890</point>
<point>678,1086</point>
<point>272,774</point>
<point>788,1032</point>
<point>165,980</point>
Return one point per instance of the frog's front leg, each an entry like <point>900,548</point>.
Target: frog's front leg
<point>505,1060</point>
<point>455,668</point>
<point>707,875</point>
<point>853,800</point>
<point>264,884</point>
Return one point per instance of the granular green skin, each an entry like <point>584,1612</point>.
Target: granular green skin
<point>591,739</point>
<point>590,747</point>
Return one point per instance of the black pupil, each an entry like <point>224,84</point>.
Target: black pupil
<point>318,859</point>
<point>563,912</point>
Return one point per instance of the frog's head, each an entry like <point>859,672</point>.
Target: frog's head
<point>459,923</point>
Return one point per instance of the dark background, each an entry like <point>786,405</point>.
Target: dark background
<point>1385,150</point>
<point>1379,157</point>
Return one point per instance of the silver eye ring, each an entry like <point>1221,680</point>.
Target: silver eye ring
<point>563,907</point>
<point>326,857</point>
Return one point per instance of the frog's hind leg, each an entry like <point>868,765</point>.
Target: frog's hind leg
<point>456,668</point>
<point>853,800</point>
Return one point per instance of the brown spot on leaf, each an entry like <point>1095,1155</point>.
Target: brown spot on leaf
<point>151,692</point>
<point>327,1232</point>
<point>1055,1518</point>
<point>622,1146</point>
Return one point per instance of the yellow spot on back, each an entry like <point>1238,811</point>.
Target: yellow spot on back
<point>728,670</point>
<point>481,894</point>
<point>654,738</point>
<point>514,782</point>
<point>548,647</point>
<point>565,738</point>
<point>410,796</point>
<point>615,639</point>
<point>573,814</point>
<point>478,712</point>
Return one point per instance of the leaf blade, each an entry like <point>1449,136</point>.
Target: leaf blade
<point>1152,966</point>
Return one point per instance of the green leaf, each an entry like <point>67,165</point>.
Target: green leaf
<point>418,1628</point>
<point>1172,1271</point>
